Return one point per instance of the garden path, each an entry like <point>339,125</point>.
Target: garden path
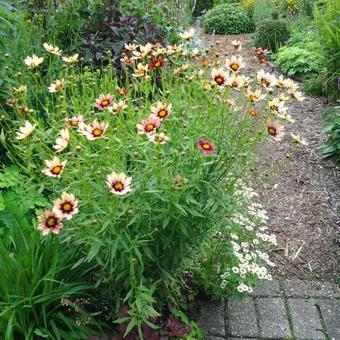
<point>299,189</point>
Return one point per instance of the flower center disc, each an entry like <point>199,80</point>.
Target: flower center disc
<point>51,222</point>
<point>162,113</point>
<point>56,170</point>
<point>118,186</point>
<point>67,207</point>
<point>206,146</point>
<point>219,80</point>
<point>104,103</point>
<point>97,132</point>
<point>234,67</point>
<point>272,131</point>
<point>149,127</point>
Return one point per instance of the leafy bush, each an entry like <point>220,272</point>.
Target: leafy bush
<point>301,56</point>
<point>227,19</point>
<point>271,34</point>
<point>332,145</point>
<point>327,23</point>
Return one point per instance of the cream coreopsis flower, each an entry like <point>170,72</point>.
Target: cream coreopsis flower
<point>94,130</point>
<point>141,71</point>
<point>237,45</point>
<point>267,80</point>
<point>126,60</point>
<point>104,101</point>
<point>298,139</point>
<point>148,126</point>
<point>298,96</point>
<point>118,107</point>
<point>52,49</point>
<point>131,47</point>
<point>281,82</point>
<point>143,52</point>
<point>159,51</point>
<point>158,138</point>
<point>119,183</point>
<point>235,82</point>
<point>290,85</point>
<point>234,63</point>
<point>74,121</point>
<point>187,35</point>
<point>282,97</point>
<point>49,222</point>
<point>33,62</point>
<point>63,141</point>
<point>275,130</point>
<point>71,59</point>
<point>160,110</point>
<point>54,167</point>
<point>219,77</point>
<point>57,86</point>
<point>20,89</point>
<point>25,130</point>
<point>286,117</point>
<point>277,106</point>
<point>66,206</point>
<point>255,96</point>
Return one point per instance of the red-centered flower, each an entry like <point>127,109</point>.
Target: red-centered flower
<point>205,146</point>
<point>275,130</point>
<point>148,126</point>
<point>104,101</point>
<point>66,206</point>
<point>156,63</point>
<point>49,222</point>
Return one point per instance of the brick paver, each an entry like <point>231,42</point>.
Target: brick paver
<point>294,309</point>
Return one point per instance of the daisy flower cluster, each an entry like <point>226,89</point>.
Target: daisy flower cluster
<point>249,242</point>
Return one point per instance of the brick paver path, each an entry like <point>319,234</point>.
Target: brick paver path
<point>290,309</point>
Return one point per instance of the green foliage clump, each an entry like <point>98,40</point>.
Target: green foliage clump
<point>227,19</point>
<point>301,56</point>
<point>271,34</point>
<point>326,20</point>
<point>332,146</point>
<point>202,6</point>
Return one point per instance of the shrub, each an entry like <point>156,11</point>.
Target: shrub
<point>327,23</point>
<point>227,19</point>
<point>332,146</point>
<point>271,34</point>
<point>301,56</point>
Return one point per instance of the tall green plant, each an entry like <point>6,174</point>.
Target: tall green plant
<point>326,16</point>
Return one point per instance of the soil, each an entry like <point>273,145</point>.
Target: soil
<point>299,189</point>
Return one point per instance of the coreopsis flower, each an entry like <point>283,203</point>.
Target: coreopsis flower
<point>63,141</point>
<point>74,121</point>
<point>11,101</point>
<point>49,222</point>
<point>126,60</point>
<point>57,86</point>
<point>253,112</point>
<point>54,167</point>
<point>159,51</point>
<point>205,146</point>
<point>104,101</point>
<point>260,52</point>
<point>290,85</point>
<point>131,47</point>
<point>237,45</point>
<point>94,130</point>
<point>298,96</point>
<point>33,62</point>
<point>143,52</point>
<point>20,89</point>
<point>267,80</point>
<point>118,107</point>
<point>282,97</point>
<point>255,96</point>
<point>187,35</point>
<point>298,139</point>
<point>25,109</point>
<point>263,61</point>
<point>158,138</point>
<point>219,77</point>
<point>277,106</point>
<point>230,102</point>
<point>66,206</point>
<point>122,92</point>
<point>156,63</point>
<point>195,52</point>
<point>275,130</point>
<point>286,117</point>
<point>71,59</point>
<point>25,130</point>
<point>281,82</point>
<point>148,126</point>
<point>52,49</point>
<point>160,110</point>
<point>234,64</point>
<point>246,81</point>
<point>235,82</point>
<point>119,183</point>
<point>141,71</point>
